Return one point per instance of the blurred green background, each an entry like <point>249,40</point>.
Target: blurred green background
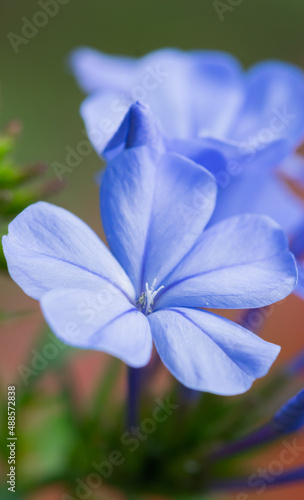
<point>37,89</point>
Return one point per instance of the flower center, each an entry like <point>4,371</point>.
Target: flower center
<point>146,299</point>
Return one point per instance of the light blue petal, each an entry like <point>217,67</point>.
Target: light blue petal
<point>240,263</point>
<point>261,193</point>
<point>163,82</point>
<point>139,128</point>
<point>153,209</point>
<point>103,320</point>
<point>202,94</point>
<point>197,91</point>
<point>215,83</point>
<point>228,159</point>
<point>97,71</point>
<point>179,86</point>
<point>48,247</point>
<point>273,104</point>
<point>208,353</point>
<point>111,129</point>
<point>103,114</point>
<point>210,156</point>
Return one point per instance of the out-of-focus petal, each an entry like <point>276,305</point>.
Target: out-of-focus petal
<point>217,92</point>
<point>95,70</point>
<point>261,193</point>
<point>179,86</point>
<point>103,114</point>
<point>227,159</point>
<point>273,107</point>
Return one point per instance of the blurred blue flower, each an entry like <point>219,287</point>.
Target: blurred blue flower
<point>200,95</point>
<point>287,420</point>
<point>161,269</point>
<point>239,125</point>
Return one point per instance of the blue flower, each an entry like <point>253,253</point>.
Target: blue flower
<point>200,94</point>
<point>287,420</point>
<point>163,267</point>
<point>239,125</point>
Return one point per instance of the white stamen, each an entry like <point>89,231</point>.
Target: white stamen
<point>146,299</point>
